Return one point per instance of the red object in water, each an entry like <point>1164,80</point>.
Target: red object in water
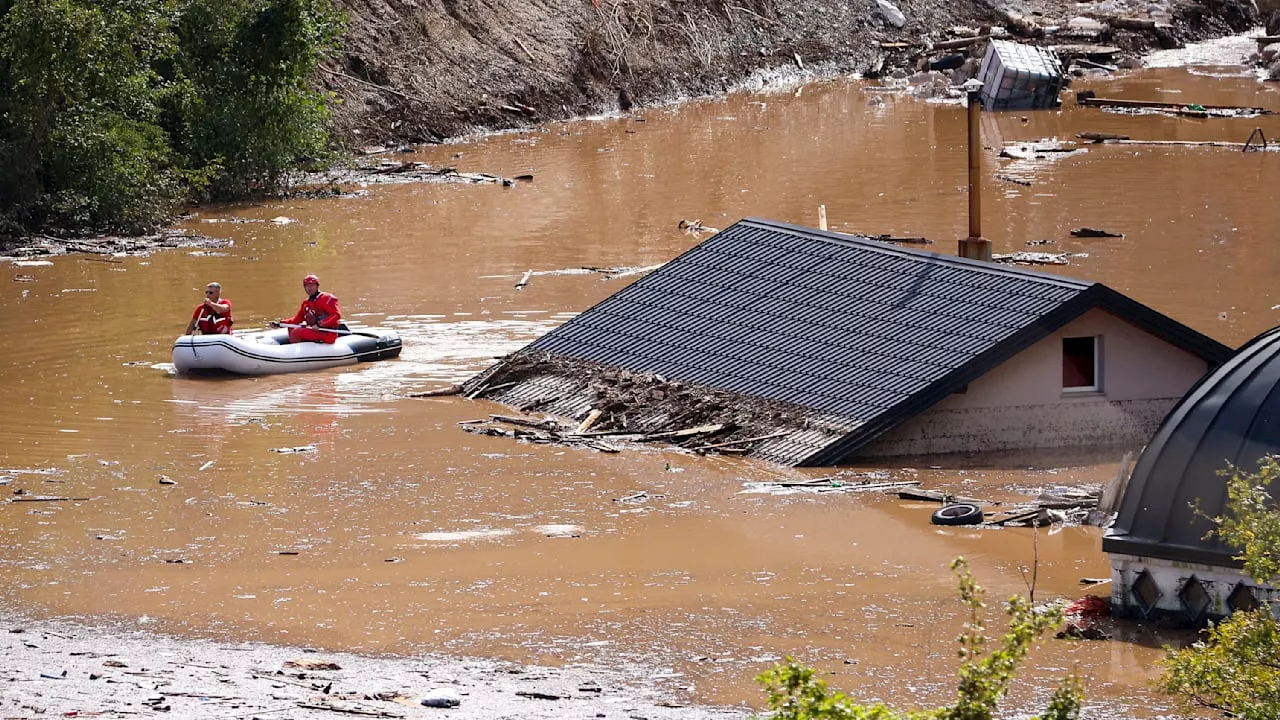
<point>1089,606</point>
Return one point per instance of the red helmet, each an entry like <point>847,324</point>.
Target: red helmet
<point>310,279</point>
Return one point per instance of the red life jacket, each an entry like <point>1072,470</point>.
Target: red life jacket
<point>210,323</point>
<point>322,310</point>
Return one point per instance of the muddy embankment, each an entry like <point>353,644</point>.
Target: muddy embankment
<point>413,71</point>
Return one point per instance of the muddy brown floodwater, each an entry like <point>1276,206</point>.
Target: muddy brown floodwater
<point>400,533</point>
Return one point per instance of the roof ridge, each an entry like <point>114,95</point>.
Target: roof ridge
<point>873,245</point>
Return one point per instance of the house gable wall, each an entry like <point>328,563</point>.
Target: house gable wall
<point>1021,404</point>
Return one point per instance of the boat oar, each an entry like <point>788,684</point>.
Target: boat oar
<point>330,330</point>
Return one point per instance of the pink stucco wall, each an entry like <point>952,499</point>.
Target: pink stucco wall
<point>1022,405</point>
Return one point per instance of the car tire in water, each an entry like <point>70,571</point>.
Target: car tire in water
<point>958,514</point>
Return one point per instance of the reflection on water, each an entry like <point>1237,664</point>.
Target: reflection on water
<point>396,532</point>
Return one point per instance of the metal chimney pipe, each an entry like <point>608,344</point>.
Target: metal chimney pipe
<point>975,247</point>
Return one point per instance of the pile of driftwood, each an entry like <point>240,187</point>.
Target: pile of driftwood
<point>701,439</point>
<point>424,170</point>
<point>1065,507</point>
<point>850,481</point>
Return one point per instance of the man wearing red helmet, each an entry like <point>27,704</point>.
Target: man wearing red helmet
<point>318,315</point>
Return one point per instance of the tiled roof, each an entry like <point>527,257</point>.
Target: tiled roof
<point>851,328</point>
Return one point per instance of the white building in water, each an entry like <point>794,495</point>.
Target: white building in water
<point>1162,564</point>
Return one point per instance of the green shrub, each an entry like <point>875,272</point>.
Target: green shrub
<point>795,693</point>
<point>1235,669</point>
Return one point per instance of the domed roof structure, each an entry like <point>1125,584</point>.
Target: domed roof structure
<point>1230,418</point>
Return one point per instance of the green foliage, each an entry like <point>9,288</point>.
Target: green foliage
<point>246,111</point>
<point>77,117</point>
<point>984,678</point>
<point>113,112</point>
<point>1235,669</point>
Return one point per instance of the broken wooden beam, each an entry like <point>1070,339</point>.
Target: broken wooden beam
<point>525,422</point>
<point>485,389</point>
<point>937,496</point>
<point>741,441</point>
<point>685,433</point>
<point>1018,516</point>
<point>588,421</point>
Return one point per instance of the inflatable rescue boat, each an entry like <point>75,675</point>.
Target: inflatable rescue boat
<point>265,352</point>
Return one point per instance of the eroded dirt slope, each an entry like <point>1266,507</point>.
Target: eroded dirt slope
<point>423,70</point>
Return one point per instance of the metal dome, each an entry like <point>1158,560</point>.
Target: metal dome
<point>1231,417</point>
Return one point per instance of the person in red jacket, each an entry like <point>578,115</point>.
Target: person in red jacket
<point>213,316</point>
<point>319,315</point>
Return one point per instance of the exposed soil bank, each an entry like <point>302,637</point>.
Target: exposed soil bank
<point>425,70</point>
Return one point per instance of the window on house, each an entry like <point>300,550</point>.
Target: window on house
<point>1080,363</point>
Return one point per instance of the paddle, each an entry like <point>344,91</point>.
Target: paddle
<point>328,330</point>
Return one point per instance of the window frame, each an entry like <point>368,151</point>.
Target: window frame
<point>1097,386</point>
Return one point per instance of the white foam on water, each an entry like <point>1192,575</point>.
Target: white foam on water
<point>464,535</point>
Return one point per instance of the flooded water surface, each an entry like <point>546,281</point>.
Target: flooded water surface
<point>330,510</point>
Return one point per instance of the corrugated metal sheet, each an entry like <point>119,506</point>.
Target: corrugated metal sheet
<point>864,333</point>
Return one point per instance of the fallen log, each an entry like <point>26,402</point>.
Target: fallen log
<point>454,389</point>
<point>1098,137</point>
<point>1157,105</point>
<point>1131,23</point>
<point>959,42</point>
<point>1088,232</point>
<point>1179,143</point>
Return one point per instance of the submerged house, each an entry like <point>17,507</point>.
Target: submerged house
<point>822,348</point>
<point>1162,564</point>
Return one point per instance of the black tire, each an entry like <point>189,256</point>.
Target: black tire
<point>958,514</point>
